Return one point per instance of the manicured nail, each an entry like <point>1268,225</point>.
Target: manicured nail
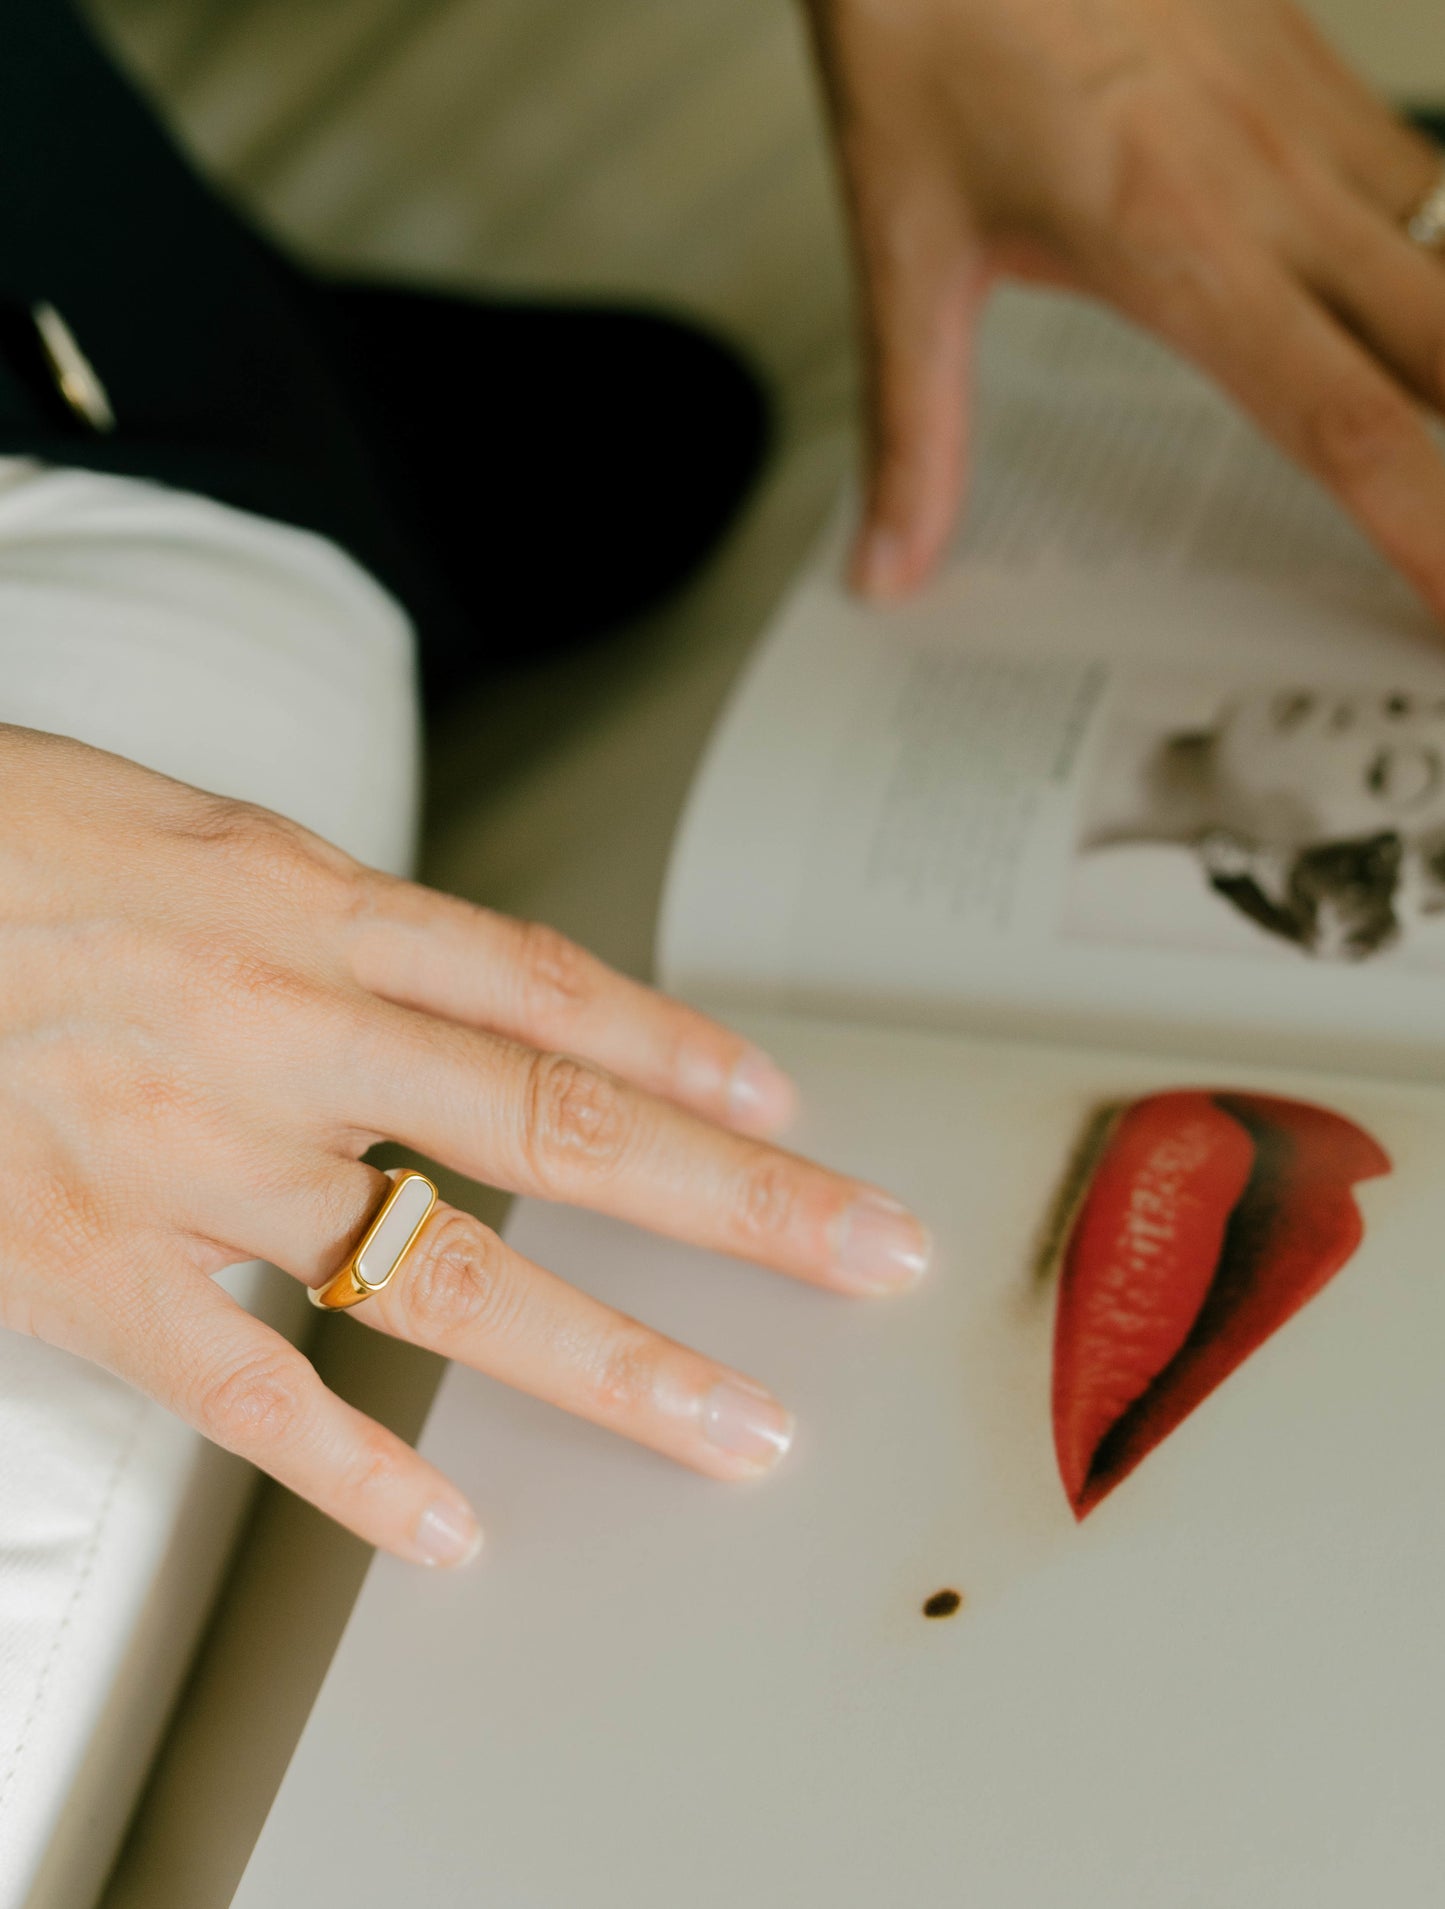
<point>879,1246</point>
<point>741,1418</point>
<point>760,1095</point>
<point>447,1533</point>
<point>878,570</point>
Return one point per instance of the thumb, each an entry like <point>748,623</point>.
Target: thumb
<point>924,282</point>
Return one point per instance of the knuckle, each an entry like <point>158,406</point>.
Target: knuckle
<point>767,1199</point>
<point>275,852</point>
<point>1269,135</point>
<point>463,1281</point>
<point>1144,200</point>
<point>258,1403</point>
<point>557,974</point>
<point>1158,229</point>
<point>54,1219</point>
<point>574,1115</point>
<point>357,895</point>
<point>374,1468</point>
<point>248,980</point>
<point>1355,431</point>
<point>225,822</point>
<point>626,1379</point>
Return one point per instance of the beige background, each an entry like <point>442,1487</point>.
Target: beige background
<point>658,147</point>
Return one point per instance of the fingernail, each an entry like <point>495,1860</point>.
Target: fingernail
<point>878,571</point>
<point>879,1246</point>
<point>760,1095</point>
<point>447,1533</point>
<point>741,1418</point>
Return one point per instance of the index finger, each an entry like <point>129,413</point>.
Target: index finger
<point>524,980</point>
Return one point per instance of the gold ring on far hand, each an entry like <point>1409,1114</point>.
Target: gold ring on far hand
<point>1426,224</point>
<point>384,1246</point>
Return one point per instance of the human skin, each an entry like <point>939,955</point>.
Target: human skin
<point>1209,167</point>
<point>210,1015</point>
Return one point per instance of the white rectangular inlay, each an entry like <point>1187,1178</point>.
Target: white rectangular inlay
<point>404,1216</point>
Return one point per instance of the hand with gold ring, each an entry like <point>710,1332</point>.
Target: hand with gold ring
<point>1209,167</point>
<point>208,1016</point>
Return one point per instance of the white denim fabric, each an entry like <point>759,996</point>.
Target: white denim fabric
<point>257,661</point>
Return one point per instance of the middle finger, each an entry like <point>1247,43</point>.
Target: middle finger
<point>557,1128</point>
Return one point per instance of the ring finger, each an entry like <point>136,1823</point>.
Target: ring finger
<point>463,1292</point>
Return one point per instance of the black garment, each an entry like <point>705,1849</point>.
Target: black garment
<point>606,451</point>
<point>190,322</point>
<point>584,461</point>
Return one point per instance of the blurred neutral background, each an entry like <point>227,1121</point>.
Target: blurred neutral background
<point>666,149</point>
<point>662,149</point>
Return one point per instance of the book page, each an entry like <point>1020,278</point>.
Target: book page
<point>1105,1568</point>
<point>1160,758</point>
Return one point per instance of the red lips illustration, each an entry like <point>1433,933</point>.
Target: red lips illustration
<point>1209,1219</point>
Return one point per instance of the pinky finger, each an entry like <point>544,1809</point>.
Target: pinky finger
<point>249,1390</point>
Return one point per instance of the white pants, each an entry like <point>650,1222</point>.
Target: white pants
<point>256,661</point>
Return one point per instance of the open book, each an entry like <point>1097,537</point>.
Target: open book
<point>1161,758</point>
<point>1098,902</point>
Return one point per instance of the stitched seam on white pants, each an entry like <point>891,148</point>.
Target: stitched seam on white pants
<point>92,1552</point>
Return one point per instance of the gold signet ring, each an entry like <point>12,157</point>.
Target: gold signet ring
<point>384,1246</point>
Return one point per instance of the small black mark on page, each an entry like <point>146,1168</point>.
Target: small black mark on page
<point>943,1604</point>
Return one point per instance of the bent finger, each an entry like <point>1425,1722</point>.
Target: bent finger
<point>526,981</point>
<point>924,281</point>
<point>248,1389</point>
